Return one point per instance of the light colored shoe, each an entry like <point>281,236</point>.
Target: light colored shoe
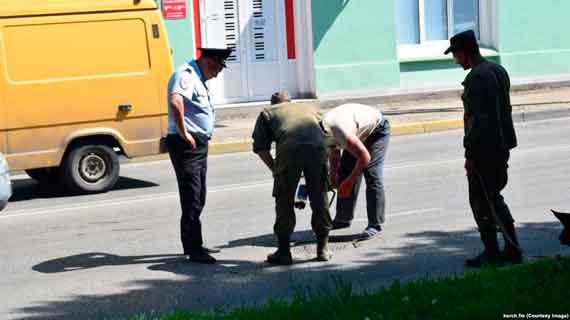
<point>369,233</point>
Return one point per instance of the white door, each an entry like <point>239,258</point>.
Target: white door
<point>256,30</point>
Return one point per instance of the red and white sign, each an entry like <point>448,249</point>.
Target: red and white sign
<point>174,9</point>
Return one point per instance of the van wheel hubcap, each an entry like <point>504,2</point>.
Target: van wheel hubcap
<point>92,167</point>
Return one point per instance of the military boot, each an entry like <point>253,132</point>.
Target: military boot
<point>283,254</point>
<point>201,256</point>
<point>323,252</point>
<point>490,254</point>
<point>511,254</point>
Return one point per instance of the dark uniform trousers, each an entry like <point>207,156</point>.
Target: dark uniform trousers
<point>311,161</point>
<point>492,168</point>
<point>377,145</point>
<point>190,166</point>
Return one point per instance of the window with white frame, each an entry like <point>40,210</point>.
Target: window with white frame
<point>424,21</point>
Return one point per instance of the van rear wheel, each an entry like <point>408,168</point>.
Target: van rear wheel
<point>44,175</point>
<point>90,169</point>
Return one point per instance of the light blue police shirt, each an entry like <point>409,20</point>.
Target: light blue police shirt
<point>188,81</point>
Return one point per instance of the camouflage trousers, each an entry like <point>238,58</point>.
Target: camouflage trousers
<point>312,163</point>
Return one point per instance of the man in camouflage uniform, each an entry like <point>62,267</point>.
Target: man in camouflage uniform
<point>489,136</point>
<point>300,148</point>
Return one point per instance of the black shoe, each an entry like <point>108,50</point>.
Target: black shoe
<point>211,249</point>
<point>340,225</point>
<point>511,256</point>
<point>201,256</point>
<point>280,257</point>
<point>484,259</point>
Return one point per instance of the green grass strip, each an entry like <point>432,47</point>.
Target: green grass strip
<point>538,288</point>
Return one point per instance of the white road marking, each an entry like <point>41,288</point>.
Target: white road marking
<point>235,187</point>
<point>404,213</point>
<point>414,212</point>
<point>126,200</point>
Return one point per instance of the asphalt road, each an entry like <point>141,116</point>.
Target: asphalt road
<point>113,255</point>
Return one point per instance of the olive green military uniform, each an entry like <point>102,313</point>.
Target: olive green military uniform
<point>489,135</point>
<point>300,148</point>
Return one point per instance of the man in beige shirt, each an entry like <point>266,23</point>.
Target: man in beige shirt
<point>362,133</point>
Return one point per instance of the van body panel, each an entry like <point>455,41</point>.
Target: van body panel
<point>123,39</point>
<point>18,8</point>
<point>62,136</point>
<point>53,157</point>
<point>68,76</point>
<point>3,107</point>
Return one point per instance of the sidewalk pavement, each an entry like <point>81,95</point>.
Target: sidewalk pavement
<point>409,113</point>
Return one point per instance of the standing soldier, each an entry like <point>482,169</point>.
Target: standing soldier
<point>489,136</point>
<point>300,148</point>
<point>363,134</point>
<point>190,126</point>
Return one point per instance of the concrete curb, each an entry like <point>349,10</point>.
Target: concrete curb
<point>396,130</point>
<point>244,145</point>
<point>426,126</point>
<point>230,146</point>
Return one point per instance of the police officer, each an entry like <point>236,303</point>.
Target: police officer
<point>489,136</point>
<point>300,148</point>
<point>190,126</point>
<point>362,133</point>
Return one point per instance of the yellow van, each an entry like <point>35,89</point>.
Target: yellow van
<point>81,82</point>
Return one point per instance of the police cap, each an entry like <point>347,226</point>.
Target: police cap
<point>464,41</point>
<point>219,54</point>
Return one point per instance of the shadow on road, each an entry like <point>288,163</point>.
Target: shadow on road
<point>298,238</point>
<point>428,254</point>
<point>99,259</point>
<point>175,263</point>
<point>28,189</point>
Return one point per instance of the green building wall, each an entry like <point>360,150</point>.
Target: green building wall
<point>430,74</point>
<point>354,44</point>
<point>533,37</point>
<point>355,47</point>
<point>181,36</point>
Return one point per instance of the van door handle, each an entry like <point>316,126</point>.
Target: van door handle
<point>125,107</point>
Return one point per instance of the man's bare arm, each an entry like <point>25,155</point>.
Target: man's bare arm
<point>177,105</point>
<point>359,151</point>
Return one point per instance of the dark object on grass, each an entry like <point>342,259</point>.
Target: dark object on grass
<point>565,219</point>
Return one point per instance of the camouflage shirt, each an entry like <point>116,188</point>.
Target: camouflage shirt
<point>290,126</point>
